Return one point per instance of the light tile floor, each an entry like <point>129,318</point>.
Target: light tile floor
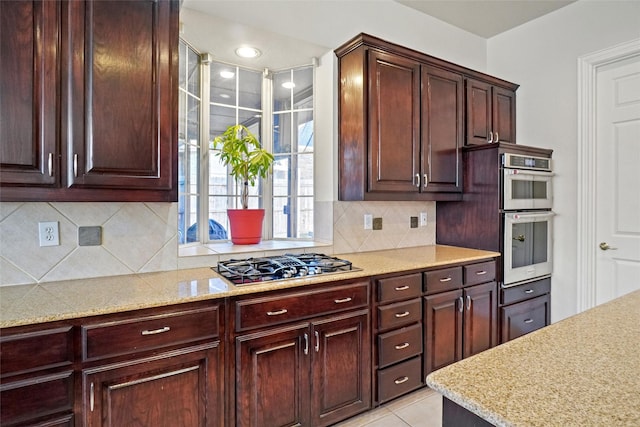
<point>422,408</point>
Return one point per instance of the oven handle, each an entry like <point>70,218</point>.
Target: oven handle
<point>525,172</point>
<point>516,217</point>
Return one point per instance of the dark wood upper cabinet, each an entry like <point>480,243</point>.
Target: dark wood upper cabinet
<point>101,120</point>
<point>491,113</point>
<point>401,121</point>
<point>29,142</point>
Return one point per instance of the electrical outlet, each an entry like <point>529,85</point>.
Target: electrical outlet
<point>423,219</point>
<point>368,221</point>
<point>48,233</point>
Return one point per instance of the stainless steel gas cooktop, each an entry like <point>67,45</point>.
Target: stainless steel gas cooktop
<point>279,267</point>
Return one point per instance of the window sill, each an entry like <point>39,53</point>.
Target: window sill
<point>228,249</point>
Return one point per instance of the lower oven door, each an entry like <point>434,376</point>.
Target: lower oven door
<point>528,245</point>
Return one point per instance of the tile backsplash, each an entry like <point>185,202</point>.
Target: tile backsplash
<point>142,237</point>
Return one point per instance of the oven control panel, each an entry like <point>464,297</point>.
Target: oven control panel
<point>518,161</point>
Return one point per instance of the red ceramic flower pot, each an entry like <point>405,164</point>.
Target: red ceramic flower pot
<point>246,225</point>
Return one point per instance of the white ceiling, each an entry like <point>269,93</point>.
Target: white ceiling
<point>302,29</point>
<point>485,18</point>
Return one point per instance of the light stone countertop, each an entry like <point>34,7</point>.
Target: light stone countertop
<point>582,371</point>
<point>51,301</point>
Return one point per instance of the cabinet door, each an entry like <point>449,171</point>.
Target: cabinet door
<point>443,329</point>
<point>504,115</point>
<point>341,368</point>
<point>480,318</point>
<point>121,94</point>
<point>29,74</point>
<point>479,112</point>
<point>394,123</point>
<point>174,389</point>
<point>442,107</point>
<point>272,377</point>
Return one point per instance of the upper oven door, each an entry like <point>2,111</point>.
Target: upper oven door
<point>526,189</point>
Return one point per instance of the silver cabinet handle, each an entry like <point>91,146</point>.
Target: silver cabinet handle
<point>481,273</point>
<point>468,302</point>
<point>416,180</point>
<point>605,246</point>
<point>401,288</point>
<point>317,348</point>
<point>528,291</point>
<point>446,279</point>
<point>401,380</point>
<point>497,137</point>
<point>156,331</point>
<point>277,313</point>
<point>426,180</point>
<point>461,308</point>
<point>340,301</point>
<point>400,315</point>
<point>50,164</point>
<point>528,321</point>
<point>91,398</point>
<point>402,346</point>
<point>306,344</point>
<point>75,165</point>
<point>490,137</point>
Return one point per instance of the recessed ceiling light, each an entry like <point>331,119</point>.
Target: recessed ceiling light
<point>248,52</point>
<point>227,74</point>
<point>288,85</point>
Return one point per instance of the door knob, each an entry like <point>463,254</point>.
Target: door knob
<point>605,246</point>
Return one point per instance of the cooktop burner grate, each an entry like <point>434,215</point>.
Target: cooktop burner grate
<point>280,267</point>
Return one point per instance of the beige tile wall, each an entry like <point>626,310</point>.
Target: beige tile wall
<point>142,237</point>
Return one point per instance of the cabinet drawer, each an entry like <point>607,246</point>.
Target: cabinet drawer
<point>399,379</point>
<point>524,317</point>
<point>276,309</point>
<point>525,291</point>
<point>135,334</point>
<point>399,345</point>
<point>479,273</point>
<point>443,280</point>
<point>401,287</point>
<point>399,314</point>
<point>35,397</point>
<point>53,347</point>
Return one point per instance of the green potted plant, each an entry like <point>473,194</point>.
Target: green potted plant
<point>241,150</point>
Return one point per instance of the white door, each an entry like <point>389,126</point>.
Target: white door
<point>618,179</point>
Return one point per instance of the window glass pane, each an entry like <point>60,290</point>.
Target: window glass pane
<point>305,218</point>
<point>193,72</point>
<point>282,133</point>
<point>305,175</point>
<point>187,219</point>
<point>220,119</point>
<point>281,175</point>
<point>250,88</point>
<point>182,66</point>
<point>281,93</point>
<point>223,83</point>
<point>252,121</point>
<point>303,90</point>
<point>281,217</point>
<point>193,120</point>
<point>304,126</point>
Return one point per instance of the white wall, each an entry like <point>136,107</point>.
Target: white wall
<point>542,57</point>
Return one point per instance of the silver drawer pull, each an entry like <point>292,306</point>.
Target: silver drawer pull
<point>401,380</point>
<point>402,346</point>
<point>402,288</point>
<point>399,315</point>
<point>528,321</point>
<point>481,273</point>
<point>340,301</point>
<point>277,313</point>
<point>528,291</point>
<point>446,279</point>
<point>156,331</point>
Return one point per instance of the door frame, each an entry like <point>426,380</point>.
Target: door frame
<point>588,68</point>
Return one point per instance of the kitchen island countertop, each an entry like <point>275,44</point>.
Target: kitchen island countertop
<point>52,301</point>
<point>581,371</point>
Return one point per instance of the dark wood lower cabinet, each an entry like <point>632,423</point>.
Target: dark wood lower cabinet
<point>524,317</point>
<point>308,374</point>
<point>454,415</point>
<point>176,388</point>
